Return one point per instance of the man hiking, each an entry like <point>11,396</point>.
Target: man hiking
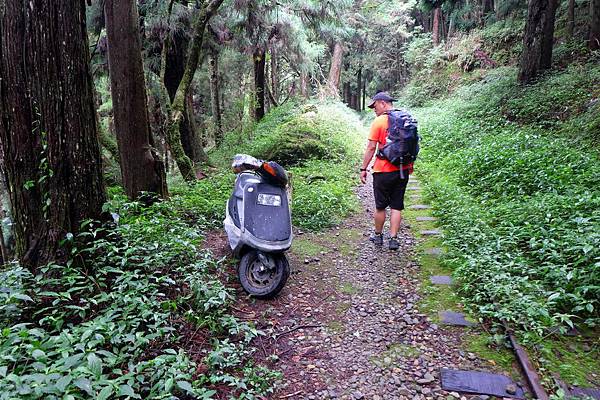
<point>389,179</point>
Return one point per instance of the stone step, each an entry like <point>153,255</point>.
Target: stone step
<point>434,251</point>
<point>420,207</point>
<point>441,280</point>
<point>426,219</point>
<point>413,188</point>
<point>432,232</point>
<point>454,318</point>
<point>482,383</point>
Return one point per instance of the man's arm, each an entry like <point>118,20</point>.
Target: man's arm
<point>369,152</point>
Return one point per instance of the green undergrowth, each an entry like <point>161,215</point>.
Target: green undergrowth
<point>514,174</point>
<point>319,143</point>
<point>120,316</point>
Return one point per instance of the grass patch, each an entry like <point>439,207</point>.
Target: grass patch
<point>575,359</point>
<point>342,308</point>
<point>347,241</point>
<point>348,288</point>
<point>306,246</point>
<point>486,348</point>
<point>335,326</point>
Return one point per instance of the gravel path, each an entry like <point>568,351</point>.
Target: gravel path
<point>347,325</point>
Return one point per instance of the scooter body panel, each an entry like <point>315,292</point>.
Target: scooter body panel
<point>253,222</point>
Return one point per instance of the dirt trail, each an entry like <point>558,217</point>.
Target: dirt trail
<point>348,325</point>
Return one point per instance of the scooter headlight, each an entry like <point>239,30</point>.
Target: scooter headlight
<point>272,200</point>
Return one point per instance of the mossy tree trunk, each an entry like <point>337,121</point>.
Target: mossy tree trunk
<point>48,130</point>
<point>142,170</point>
<point>109,143</point>
<point>177,109</point>
<point>274,71</point>
<point>175,67</point>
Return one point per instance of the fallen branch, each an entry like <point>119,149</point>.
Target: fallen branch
<point>295,329</point>
<point>287,396</point>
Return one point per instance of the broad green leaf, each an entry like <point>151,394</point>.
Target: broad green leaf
<point>94,364</point>
<point>63,382</point>
<point>22,296</point>
<point>73,360</point>
<point>85,385</point>
<point>105,393</point>
<point>185,385</point>
<point>37,354</point>
<point>126,390</point>
<point>168,385</point>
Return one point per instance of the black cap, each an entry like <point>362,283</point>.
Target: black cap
<point>381,96</point>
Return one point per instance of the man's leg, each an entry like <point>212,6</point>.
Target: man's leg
<point>379,220</point>
<point>395,220</point>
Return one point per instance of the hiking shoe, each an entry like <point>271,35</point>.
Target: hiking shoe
<point>393,244</point>
<point>377,239</point>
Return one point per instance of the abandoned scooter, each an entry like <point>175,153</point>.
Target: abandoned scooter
<point>258,225</point>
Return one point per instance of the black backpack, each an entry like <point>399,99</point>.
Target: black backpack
<point>402,143</point>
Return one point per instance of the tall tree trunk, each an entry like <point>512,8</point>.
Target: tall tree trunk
<point>488,7</point>
<point>571,19</point>
<point>333,82</point>
<point>548,41</point>
<point>142,170</point>
<point>259,83</point>
<point>213,72</point>
<point>304,85</point>
<point>451,24</point>
<point>346,93</point>
<point>364,94</point>
<point>358,89</point>
<point>274,70</point>
<point>48,130</point>
<point>177,108</point>
<point>191,135</point>
<point>267,92</point>
<point>436,26</point>
<point>594,38</point>
<point>533,40</point>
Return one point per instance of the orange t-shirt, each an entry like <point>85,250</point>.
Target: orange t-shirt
<point>378,134</point>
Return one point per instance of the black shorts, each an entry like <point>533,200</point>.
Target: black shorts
<point>389,188</point>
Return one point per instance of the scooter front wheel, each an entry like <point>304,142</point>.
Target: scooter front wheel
<point>263,275</point>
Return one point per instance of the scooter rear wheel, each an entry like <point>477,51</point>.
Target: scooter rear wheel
<point>261,279</point>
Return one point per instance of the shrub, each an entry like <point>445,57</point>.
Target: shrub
<point>320,143</point>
